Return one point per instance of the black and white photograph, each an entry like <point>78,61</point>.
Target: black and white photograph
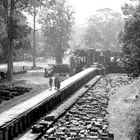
<point>69,69</point>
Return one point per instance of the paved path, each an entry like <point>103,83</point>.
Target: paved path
<point>33,78</point>
<point>16,100</point>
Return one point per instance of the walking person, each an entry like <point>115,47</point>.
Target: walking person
<point>45,73</point>
<point>57,82</point>
<point>50,82</point>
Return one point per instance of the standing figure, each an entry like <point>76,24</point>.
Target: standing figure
<point>46,73</point>
<point>50,82</point>
<point>57,82</point>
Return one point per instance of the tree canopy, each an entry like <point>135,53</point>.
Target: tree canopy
<point>57,21</point>
<point>15,30</point>
<point>130,40</point>
<point>20,29</point>
<point>103,29</point>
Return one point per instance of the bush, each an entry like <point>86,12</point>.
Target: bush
<point>130,40</point>
<point>124,110</point>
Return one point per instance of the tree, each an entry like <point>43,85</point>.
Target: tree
<point>103,29</point>
<point>130,41</point>
<point>128,9</point>
<point>32,10</point>
<point>9,10</point>
<point>21,32</point>
<point>93,37</point>
<point>56,23</point>
<point>14,27</point>
<point>33,7</point>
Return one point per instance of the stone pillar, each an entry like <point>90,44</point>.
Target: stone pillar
<point>16,129</point>
<point>28,120</point>
<point>11,134</point>
<point>1,134</point>
<point>5,134</point>
<point>24,123</point>
<point>90,57</point>
<point>20,126</point>
<point>108,56</point>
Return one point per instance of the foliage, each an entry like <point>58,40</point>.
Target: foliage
<point>15,27</point>
<point>93,37</point>
<point>20,31</point>
<point>128,9</point>
<point>124,110</point>
<point>56,23</point>
<point>103,29</point>
<point>130,40</point>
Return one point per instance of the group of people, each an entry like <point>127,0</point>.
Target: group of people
<point>56,82</point>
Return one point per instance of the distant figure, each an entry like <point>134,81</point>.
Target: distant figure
<point>50,82</point>
<point>46,73</point>
<point>57,82</point>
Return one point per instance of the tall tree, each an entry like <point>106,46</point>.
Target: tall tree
<point>94,37</point>
<point>103,29</point>
<point>32,9</point>
<point>56,23</point>
<point>11,10</point>
<point>130,40</point>
<point>8,13</point>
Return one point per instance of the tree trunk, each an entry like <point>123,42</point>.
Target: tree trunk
<point>58,60</point>
<point>59,57</point>
<point>10,41</point>
<point>10,59</point>
<point>34,47</point>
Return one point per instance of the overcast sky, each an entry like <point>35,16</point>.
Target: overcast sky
<point>85,8</point>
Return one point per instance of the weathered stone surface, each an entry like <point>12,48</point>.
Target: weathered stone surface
<point>87,119</point>
<point>37,128</point>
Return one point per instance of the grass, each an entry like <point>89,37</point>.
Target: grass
<point>124,110</point>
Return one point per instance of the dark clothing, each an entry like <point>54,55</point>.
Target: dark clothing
<point>57,82</point>
<point>50,82</point>
<point>58,85</point>
<point>46,73</point>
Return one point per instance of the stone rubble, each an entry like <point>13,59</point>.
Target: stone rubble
<point>88,118</point>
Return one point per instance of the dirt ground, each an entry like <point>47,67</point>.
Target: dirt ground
<point>34,79</point>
